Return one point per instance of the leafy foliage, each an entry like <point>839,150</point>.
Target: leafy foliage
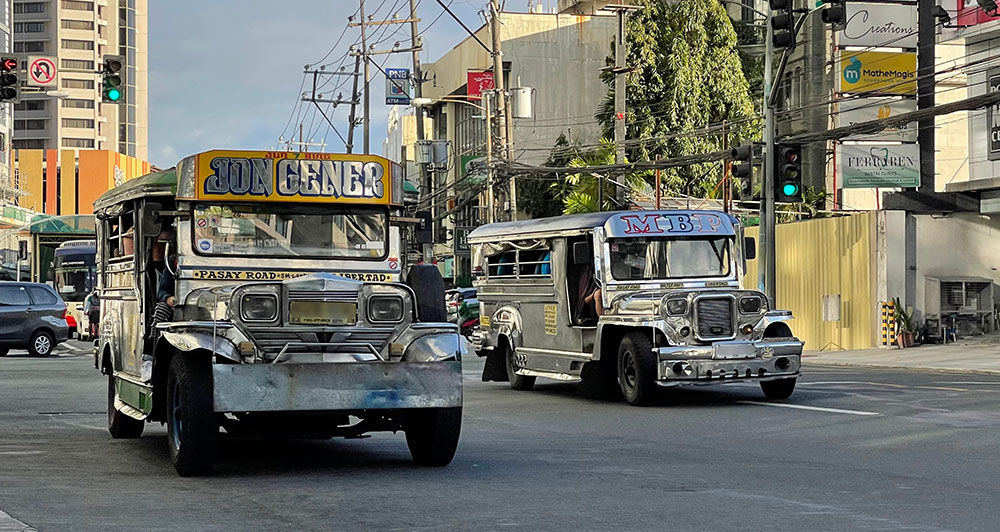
<point>582,192</point>
<point>687,75</point>
<point>539,196</point>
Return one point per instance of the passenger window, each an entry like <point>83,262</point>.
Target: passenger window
<point>121,236</point>
<point>502,265</point>
<point>14,296</point>
<point>535,263</point>
<point>42,296</point>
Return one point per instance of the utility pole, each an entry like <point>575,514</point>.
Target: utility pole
<point>354,106</point>
<point>364,57</point>
<point>766,271</point>
<point>619,70</point>
<point>926,36</point>
<point>418,92</point>
<point>501,99</point>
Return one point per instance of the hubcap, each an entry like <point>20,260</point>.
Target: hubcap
<point>175,418</point>
<point>628,370</point>
<point>42,344</point>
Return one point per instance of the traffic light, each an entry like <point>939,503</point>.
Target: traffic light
<point>743,162</point>
<point>787,173</point>
<point>834,14</point>
<point>112,79</point>
<point>10,86</point>
<point>783,24</point>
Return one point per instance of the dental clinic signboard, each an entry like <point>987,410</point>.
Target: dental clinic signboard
<point>888,25</point>
<point>879,166</point>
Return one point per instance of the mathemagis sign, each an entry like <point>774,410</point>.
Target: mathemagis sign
<point>877,72</point>
<point>871,166</point>
<point>889,25</point>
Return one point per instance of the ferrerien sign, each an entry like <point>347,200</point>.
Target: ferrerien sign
<point>877,72</point>
<point>873,166</point>
<point>851,112</point>
<point>890,25</point>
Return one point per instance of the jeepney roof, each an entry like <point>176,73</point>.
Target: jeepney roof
<point>162,183</point>
<point>615,223</point>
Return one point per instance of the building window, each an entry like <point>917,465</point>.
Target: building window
<point>29,144</point>
<point>78,64</point>
<point>77,24</point>
<point>30,125</point>
<point>79,6</point>
<point>78,83</point>
<point>74,44</point>
<point>29,46</point>
<point>29,7</point>
<point>29,27</point>
<point>78,143</point>
<point>76,103</point>
<point>85,123</point>
<point>30,105</point>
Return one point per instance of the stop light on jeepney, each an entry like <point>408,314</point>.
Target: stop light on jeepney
<point>112,79</point>
<point>10,85</point>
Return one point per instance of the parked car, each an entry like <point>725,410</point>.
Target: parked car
<point>32,317</point>
<point>463,308</point>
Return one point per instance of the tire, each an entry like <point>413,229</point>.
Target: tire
<point>120,425</point>
<point>517,382</point>
<point>428,287</point>
<point>432,435</point>
<point>778,390</point>
<point>192,427</point>
<point>637,369</point>
<point>3,352</point>
<point>41,344</point>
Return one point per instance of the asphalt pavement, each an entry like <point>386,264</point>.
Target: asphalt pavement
<point>853,449</point>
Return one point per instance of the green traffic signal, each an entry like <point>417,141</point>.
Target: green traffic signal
<point>113,95</point>
<point>790,189</point>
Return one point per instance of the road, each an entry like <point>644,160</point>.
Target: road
<point>854,449</point>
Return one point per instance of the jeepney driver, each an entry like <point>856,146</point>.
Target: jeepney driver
<point>589,295</point>
<point>163,311</point>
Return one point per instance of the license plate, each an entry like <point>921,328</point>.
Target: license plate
<point>734,350</point>
<point>322,313</point>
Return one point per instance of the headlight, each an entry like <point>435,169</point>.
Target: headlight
<point>385,309</point>
<point>750,305</point>
<point>259,307</point>
<point>677,307</point>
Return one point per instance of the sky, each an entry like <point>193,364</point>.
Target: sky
<point>226,74</point>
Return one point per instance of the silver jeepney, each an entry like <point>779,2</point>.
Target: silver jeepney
<point>289,316</point>
<point>672,308</point>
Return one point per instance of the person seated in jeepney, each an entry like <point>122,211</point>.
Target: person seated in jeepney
<point>164,266</point>
<point>590,304</point>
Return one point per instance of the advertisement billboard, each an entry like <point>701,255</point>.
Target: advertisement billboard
<point>874,166</point>
<point>970,14</point>
<point>993,116</point>
<point>856,111</point>
<point>889,25</point>
<point>877,72</point>
<point>477,82</point>
<point>397,86</point>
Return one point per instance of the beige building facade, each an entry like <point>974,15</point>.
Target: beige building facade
<point>77,34</point>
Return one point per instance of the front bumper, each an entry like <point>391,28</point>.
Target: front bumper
<point>337,386</point>
<point>729,361</point>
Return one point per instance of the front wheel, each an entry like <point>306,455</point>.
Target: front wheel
<point>637,369</point>
<point>517,382</point>
<point>41,344</point>
<point>120,425</point>
<point>432,435</point>
<point>192,429</point>
<point>778,389</point>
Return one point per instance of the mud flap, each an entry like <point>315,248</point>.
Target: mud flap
<point>495,368</point>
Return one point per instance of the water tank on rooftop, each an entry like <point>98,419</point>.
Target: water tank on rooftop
<point>522,100</point>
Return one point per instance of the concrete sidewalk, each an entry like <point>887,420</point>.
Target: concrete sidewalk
<point>959,357</point>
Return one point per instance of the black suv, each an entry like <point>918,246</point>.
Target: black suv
<point>32,317</point>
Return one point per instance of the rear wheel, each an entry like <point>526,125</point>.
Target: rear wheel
<point>41,344</point>
<point>428,287</point>
<point>192,428</point>
<point>637,369</point>
<point>517,382</point>
<point>432,435</point>
<point>778,389</point>
<point>120,425</point>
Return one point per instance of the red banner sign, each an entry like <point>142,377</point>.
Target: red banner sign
<point>970,14</point>
<point>479,82</point>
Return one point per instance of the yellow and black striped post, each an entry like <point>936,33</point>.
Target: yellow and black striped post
<point>888,323</point>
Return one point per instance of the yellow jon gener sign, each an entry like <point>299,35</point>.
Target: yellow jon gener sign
<point>879,72</point>
<point>291,176</point>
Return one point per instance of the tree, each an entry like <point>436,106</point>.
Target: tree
<point>581,195</point>
<point>540,196</point>
<point>687,76</point>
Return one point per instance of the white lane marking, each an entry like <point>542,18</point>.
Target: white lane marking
<point>9,524</point>
<point>813,408</point>
<point>969,383</point>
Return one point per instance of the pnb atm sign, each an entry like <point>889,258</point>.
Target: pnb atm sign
<point>397,86</point>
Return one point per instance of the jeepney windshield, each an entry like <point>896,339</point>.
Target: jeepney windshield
<point>285,230</point>
<point>640,259</point>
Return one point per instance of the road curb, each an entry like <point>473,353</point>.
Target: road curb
<point>930,369</point>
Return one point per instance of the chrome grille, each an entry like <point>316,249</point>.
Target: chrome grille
<point>330,295</point>
<point>338,340</point>
<point>715,318</point>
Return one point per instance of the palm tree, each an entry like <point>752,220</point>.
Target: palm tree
<point>582,194</point>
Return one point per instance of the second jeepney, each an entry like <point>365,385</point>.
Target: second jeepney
<point>632,300</point>
<point>267,293</point>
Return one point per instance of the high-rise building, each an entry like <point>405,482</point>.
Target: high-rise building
<point>77,34</point>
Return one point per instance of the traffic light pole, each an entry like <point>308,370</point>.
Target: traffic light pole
<point>766,271</point>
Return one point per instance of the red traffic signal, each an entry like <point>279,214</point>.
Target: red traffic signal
<point>8,63</point>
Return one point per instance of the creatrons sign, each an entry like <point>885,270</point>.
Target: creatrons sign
<point>890,25</point>
<point>679,223</point>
